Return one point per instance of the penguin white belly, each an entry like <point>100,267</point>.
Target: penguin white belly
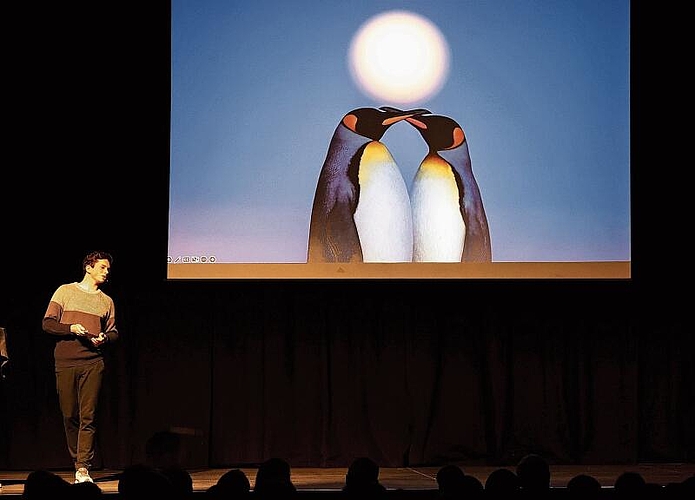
<point>438,226</point>
<point>383,216</point>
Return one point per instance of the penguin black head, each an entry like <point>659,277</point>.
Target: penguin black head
<point>440,132</point>
<point>373,123</point>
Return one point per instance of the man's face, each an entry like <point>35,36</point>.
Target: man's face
<point>99,271</point>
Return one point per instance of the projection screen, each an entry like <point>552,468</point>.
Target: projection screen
<point>316,139</point>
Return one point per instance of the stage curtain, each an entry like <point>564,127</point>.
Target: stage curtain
<point>408,373</point>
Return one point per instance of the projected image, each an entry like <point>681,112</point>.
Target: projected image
<point>362,211</point>
<point>403,133</point>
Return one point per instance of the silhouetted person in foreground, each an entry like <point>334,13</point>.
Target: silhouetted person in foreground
<point>362,480</point>
<point>533,472</point>
<point>583,487</point>
<point>473,488</point>
<point>273,480</point>
<point>163,452</point>
<point>231,485</point>
<point>43,484</point>
<point>84,491</point>
<point>628,484</point>
<point>141,481</point>
<point>180,479</point>
<point>502,484</point>
<point>683,490</point>
<point>450,482</point>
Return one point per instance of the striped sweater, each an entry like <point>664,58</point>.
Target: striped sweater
<point>71,304</point>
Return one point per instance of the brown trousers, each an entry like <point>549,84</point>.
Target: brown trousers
<point>78,396</point>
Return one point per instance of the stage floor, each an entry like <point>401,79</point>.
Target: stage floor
<point>407,478</point>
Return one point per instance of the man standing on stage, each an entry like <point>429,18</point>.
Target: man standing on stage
<point>82,318</point>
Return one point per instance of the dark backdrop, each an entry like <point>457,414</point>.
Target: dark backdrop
<point>317,372</point>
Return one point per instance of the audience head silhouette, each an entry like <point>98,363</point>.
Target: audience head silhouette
<point>273,479</point>
<point>583,487</point>
<point>472,488</point>
<point>43,484</point>
<point>681,490</point>
<point>142,481</point>
<point>628,484</point>
<point>502,483</point>
<point>181,480</point>
<point>232,484</point>
<point>533,472</point>
<point>450,481</point>
<point>362,479</point>
<point>84,491</point>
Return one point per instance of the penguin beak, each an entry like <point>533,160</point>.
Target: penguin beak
<point>397,115</point>
<point>417,123</point>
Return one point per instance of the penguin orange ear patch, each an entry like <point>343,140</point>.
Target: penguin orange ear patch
<point>459,137</point>
<point>350,121</point>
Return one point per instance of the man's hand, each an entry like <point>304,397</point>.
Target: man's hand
<point>99,339</point>
<point>79,330</point>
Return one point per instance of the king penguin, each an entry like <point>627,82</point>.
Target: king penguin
<point>361,210</point>
<point>449,221</point>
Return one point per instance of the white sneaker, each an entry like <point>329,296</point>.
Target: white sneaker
<point>82,476</point>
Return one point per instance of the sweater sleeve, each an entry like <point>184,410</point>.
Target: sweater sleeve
<point>110,329</point>
<point>51,323</point>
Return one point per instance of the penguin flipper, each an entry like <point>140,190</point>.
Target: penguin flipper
<point>476,246</point>
<point>341,242</point>
<point>335,238</point>
<point>476,242</point>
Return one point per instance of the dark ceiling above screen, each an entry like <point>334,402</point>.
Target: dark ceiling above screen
<point>328,148</point>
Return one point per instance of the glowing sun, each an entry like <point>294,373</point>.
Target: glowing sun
<point>399,57</point>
